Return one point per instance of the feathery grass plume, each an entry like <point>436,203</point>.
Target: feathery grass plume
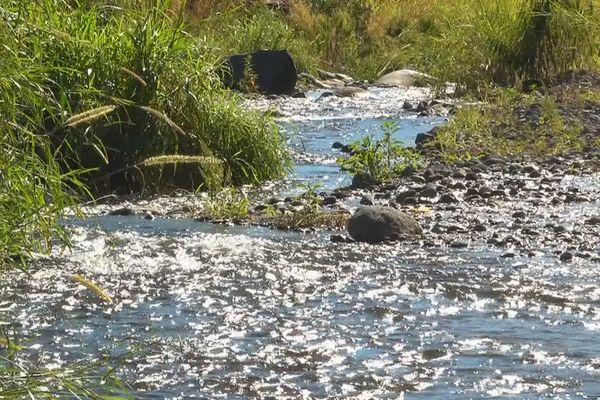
<point>89,116</point>
<point>134,76</point>
<point>94,287</point>
<point>181,159</point>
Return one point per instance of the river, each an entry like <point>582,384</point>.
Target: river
<point>215,311</point>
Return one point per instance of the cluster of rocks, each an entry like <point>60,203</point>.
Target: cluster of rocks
<point>521,206</point>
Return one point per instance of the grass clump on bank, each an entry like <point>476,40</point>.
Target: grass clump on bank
<point>98,103</point>
<point>510,123</point>
<point>129,83</point>
<point>471,42</point>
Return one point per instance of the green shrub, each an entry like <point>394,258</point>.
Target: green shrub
<point>157,83</point>
<point>380,160</point>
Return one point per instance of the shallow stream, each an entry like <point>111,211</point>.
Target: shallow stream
<point>215,311</point>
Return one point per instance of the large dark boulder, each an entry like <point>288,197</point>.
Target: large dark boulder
<point>375,224</point>
<point>274,71</point>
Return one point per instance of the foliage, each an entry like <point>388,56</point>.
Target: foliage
<point>229,203</point>
<point>260,28</point>
<point>20,379</point>
<point>510,123</point>
<point>379,160</point>
<point>129,83</point>
<point>472,42</point>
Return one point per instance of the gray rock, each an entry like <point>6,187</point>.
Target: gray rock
<point>375,224</point>
<point>448,198</point>
<point>401,197</point>
<point>366,201</point>
<point>350,91</point>
<point>428,191</point>
<point>459,245</point>
<point>566,256</point>
<point>123,211</point>
<point>329,200</point>
<point>404,77</point>
<point>593,221</point>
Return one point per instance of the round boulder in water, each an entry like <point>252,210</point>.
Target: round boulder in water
<point>375,224</point>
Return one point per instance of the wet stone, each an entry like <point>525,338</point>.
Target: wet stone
<point>329,200</point>
<point>485,191</point>
<point>535,174</point>
<point>402,196</point>
<point>559,229</point>
<point>339,239</point>
<point>375,224</point>
<point>428,191</point>
<point>459,174</point>
<point>417,179</point>
<point>448,198</point>
<point>479,228</point>
<point>566,256</point>
<point>123,211</point>
<point>472,192</point>
<point>432,354</point>
<point>459,244</point>
<point>366,201</point>
<point>458,186</point>
<point>519,214</point>
<point>472,176</point>
<point>595,220</point>
<point>528,169</point>
<point>261,207</point>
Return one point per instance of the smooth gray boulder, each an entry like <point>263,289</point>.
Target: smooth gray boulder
<point>404,77</point>
<point>375,224</point>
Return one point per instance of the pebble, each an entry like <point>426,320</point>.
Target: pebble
<point>366,201</point>
<point>566,256</point>
<point>448,198</point>
<point>329,200</point>
<point>479,228</point>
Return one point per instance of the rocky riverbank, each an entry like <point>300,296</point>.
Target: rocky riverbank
<point>525,204</point>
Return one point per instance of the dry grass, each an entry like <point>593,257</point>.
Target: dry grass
<point>302,17</point>
<point>198,10</point>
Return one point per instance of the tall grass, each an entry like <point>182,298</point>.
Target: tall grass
<point>158,83</point>
<point>89,101</point>
<point>472,42</point>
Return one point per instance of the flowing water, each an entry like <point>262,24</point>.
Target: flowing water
<point>215,311</point>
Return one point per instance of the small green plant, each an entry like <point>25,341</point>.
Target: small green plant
<point>229,203</point>
<point>89,380</point>
<point>249,80</point>
<point>311,197</point>
<point>379,160</point>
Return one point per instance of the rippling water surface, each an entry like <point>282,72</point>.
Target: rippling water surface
<point>212,311</point>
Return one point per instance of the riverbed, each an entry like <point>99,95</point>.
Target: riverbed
<point>205,310</point>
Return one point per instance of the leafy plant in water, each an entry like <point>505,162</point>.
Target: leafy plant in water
<point>228,203</point>
<point>379,160</point>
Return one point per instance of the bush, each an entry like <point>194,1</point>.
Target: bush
<point>129,83</point>
<point>381,160</point>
